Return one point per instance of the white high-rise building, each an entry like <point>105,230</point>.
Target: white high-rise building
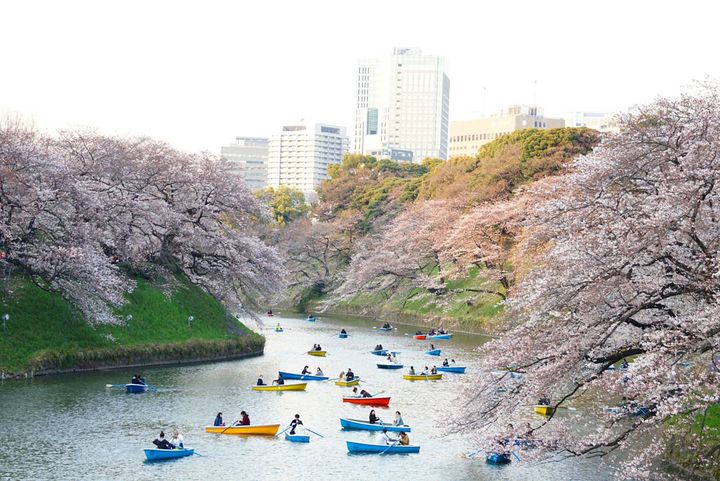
<point>299,156</point>
<point>403,106</point>
<point>248,157</point>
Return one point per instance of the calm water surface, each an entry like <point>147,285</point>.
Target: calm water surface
<point>72,427</point>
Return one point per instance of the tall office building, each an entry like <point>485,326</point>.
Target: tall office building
<point>248,157</point>
<point>467,136</point>
<point>299,155</point>
<point>403,106</point>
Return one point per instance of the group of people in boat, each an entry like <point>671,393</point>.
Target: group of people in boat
<point>343,332</point>
<point>176,441</point>
<point>307,372</point>
<point>362,393</point>
<point>378,347</point>
<point>391,357</point>
<point>387,326</point>
<point>138,379</point>
<point>447,364</point>
<point>425,372</point>
<point>403,439</point>
<point>244,420</point>
<point>439,330</point>
<point>347,376</point>
<point>316,347</point>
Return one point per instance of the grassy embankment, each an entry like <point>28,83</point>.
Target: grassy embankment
<point>45,333</point>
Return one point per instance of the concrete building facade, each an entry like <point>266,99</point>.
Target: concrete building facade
<point>600,121</point>
<point>467,136</point>
<point>248,157</point>
<point>300,154</point>
<point>402,106</point>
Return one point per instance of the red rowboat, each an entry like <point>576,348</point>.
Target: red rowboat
<point>420,337</point>
<point>367,401</point>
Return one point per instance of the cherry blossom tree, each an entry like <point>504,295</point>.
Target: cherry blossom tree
<point>629,244</point>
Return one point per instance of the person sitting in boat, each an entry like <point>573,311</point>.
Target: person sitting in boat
<point>305,371</point>
<point>294,423</point>
<point>388,440</point>
<point>278,326</point>
<point>432,332</point>
<point>177,439</point>
<point>341,376</point>
<point>446,363</point>
<point>433,370</point>
<point>135,379</point>
<point>364,393</point>
<point>624,364</point>
<point>269,313</point>
<point>418,333</point>
<point>432,347</point>
<point>372,418</point>
<point>319,372</point>
<point>218,420</point>
<point>141,379</point>
<point>244,419</point>
<point>544,400</point>
<point>404,439</point>
<point>350,375</point>
<point>398,419</point>
<point>260,381</point>
<point>318,348</point>
<point>452,361</point>
<point>412,371</point>
<point>162,443</point>
<point>424,371</point>
<point>280,380</point>
<point>386,325</point>
<point>343,331</point>
<point>389,357</point>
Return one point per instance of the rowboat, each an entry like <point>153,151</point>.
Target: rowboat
<point>161,454</point>
<point>367,401</point>
<point>258,429</point>
<point>385,328</point>
<point>434,352</point>
<point>441,337</point>
<point>630,411</point>
<point>354,382</point>
<point>381,448</point>
<point>317,353</point>
<point>379,352</point>
<point>282,387</point>
<point>278,329</point>
<point>455,369</point>
<point>136,388</point>
<point>497,458</point>
<point>297,438</point>
<point>343,335</point>
<point>544,410</point>
<point>312,318</point>
<point>302,377</point>
<point>361,425</point>
<point>420,337</point>
<point>389,365</point>
<point>420,377</point>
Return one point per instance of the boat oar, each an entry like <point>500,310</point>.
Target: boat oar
<point>515,454</point>
<point>318,434</point>
<point>394,443</point>
<point>229,426</point>
<point>281,432</point>
<point>198,454</point>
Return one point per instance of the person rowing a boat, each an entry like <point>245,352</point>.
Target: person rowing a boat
<point>244,419</point>
<point>412,370</point>
<point>177,439</point>
<point>373,418</point>
<point>349,376</point>
<point>218,420</point>
<point>386,325</point>
<point>260,381</point>
<point>424,371</point>
<point>305,371</point>
<point>433,370</point>
<point>364,393</point>
<point>294,423</point>
<point>624,364</point>
<point>162,443</point>
<point>544,400</point>
<point>404,439</point>
<point>343,331</point>
<point>341,375</point>
<point>398,419</point>
<point>432,347</point>
<point>388,440</point>
<point>446,363</point>
<point>280,380</point>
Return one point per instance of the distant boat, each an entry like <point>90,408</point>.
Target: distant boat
<point>278,329</point>
<point>441,337</point>
<point>455,369</point>
<point>389,365</point>
<point>311,318</point>
<point>343,335</point>
<point>433,352</point>
<point>497,458</point>
<point>282,387</point>
<point>381,448</point>
<point>354,382</point>
<point>360,425</point>
<point>163,454</point>
<point>385,328</point>
<point>379,352</point>
<point>297,438</point>
<point>544,410</point>
<point>136,388</point>
<point>420,337</point>
<point>421,377</point>
<point>259,429</point>
<point>367,401</point>
<point>317,353</point>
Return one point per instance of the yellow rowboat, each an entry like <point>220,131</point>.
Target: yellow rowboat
<point>429,377</point>
<point>354,382</point>
<point>544,410</point>
<point>282,387</point>
<point>317,353</point>
<point>260,429</point>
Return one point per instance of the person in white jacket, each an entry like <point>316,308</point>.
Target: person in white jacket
<point>177,440</point>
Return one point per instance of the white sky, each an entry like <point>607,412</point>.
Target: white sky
<point>198,74</point>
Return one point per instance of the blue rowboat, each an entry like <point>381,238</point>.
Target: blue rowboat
<point>279,329</point>
<point>381,448</point>
<point>297,438</point>
<point>389,366</point>
<point>312,318</point>
<point>306,377</point>
<point>361,425</point>
<point>455,369</point>
<point>162,454</point>
<point>342,336</point>
<point>441,337</point>
<point>135,388</point>
<point>385,328</point>
<point>497,458</point>
<point>380,352</point>
<point>434,352</point>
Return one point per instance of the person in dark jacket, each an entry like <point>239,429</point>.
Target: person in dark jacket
<point>244,419</point>
<point>350,375</point>
<point>218,420</point>
<point>260,381</point>
<point>163,443</point>
<point>280,380</point>
<point>373,418</point>
<point>294,423</point>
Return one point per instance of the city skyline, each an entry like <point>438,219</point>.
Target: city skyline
<point>198,77</point>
